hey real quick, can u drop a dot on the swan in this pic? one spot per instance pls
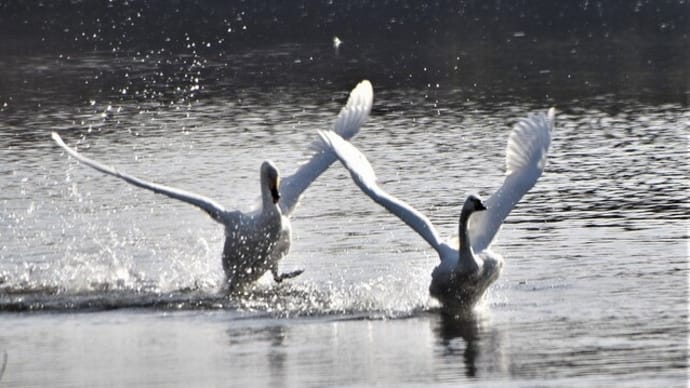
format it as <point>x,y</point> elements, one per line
<point>468,267</point>
<point>256,241</point>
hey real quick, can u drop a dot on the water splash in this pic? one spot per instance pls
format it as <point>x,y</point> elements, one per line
<point>110,288</point>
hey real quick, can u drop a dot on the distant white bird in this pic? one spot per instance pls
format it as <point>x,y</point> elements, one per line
<point>256,241</point>
<point>467,266</point>
<point>336,44</point>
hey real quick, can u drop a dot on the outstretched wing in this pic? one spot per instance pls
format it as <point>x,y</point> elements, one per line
<point>213,209</point>
<point>526,152</point>
<point>347,124</point>
<point>363,175</point>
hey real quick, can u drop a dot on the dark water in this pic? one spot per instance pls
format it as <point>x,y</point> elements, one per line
<point>102,284</point>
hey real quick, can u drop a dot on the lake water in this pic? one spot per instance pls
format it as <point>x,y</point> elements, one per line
<point>103,284</point>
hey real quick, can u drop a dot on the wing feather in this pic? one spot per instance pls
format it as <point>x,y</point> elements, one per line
<point>347,124</point>
<point>213,209</point>
<point>526,153</point>
<point>363,175</point>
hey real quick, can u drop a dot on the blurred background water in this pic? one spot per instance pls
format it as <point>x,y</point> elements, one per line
<point>103,284</point>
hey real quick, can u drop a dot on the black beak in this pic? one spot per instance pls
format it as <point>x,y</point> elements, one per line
<point>275,194</point>
<point>481,206</point>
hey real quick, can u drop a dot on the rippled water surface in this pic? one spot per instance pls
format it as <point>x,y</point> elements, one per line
<point>104,284</point>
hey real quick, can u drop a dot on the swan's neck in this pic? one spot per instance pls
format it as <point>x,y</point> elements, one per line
<point>463,235</point>
<point>267,203</point>
<point>266,197</point>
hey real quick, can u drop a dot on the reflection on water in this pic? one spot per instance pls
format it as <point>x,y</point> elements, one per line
<point>4,364</point>
<point>591,254</point>
<point>596,254</point>
<point>467,329</point>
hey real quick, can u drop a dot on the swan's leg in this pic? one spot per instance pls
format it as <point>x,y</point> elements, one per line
<point>286,275</point>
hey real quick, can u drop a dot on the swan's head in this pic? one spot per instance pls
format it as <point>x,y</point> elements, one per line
<point>270,180</point>
<point>473,203</point>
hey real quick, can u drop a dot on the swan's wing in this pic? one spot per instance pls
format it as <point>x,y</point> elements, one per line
<point>363,175</point>
<point>526,152</point>
<point>347,124</point>
<point>213,209</point>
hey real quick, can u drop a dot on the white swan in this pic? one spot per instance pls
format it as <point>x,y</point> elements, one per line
<point>467,266</point>
<point>256,241</point>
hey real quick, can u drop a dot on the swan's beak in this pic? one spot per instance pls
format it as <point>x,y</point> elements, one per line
<point>274,191</point>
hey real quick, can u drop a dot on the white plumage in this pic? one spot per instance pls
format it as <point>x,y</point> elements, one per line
<point>256,241</point>
<point>463,276</point>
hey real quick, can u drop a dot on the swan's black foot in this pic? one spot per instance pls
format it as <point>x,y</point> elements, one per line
<point>286,275</point>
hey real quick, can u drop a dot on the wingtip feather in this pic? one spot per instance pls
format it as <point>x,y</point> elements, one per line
<point>56,138</point>
<point>356,111</point>
<point>529,141</point>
